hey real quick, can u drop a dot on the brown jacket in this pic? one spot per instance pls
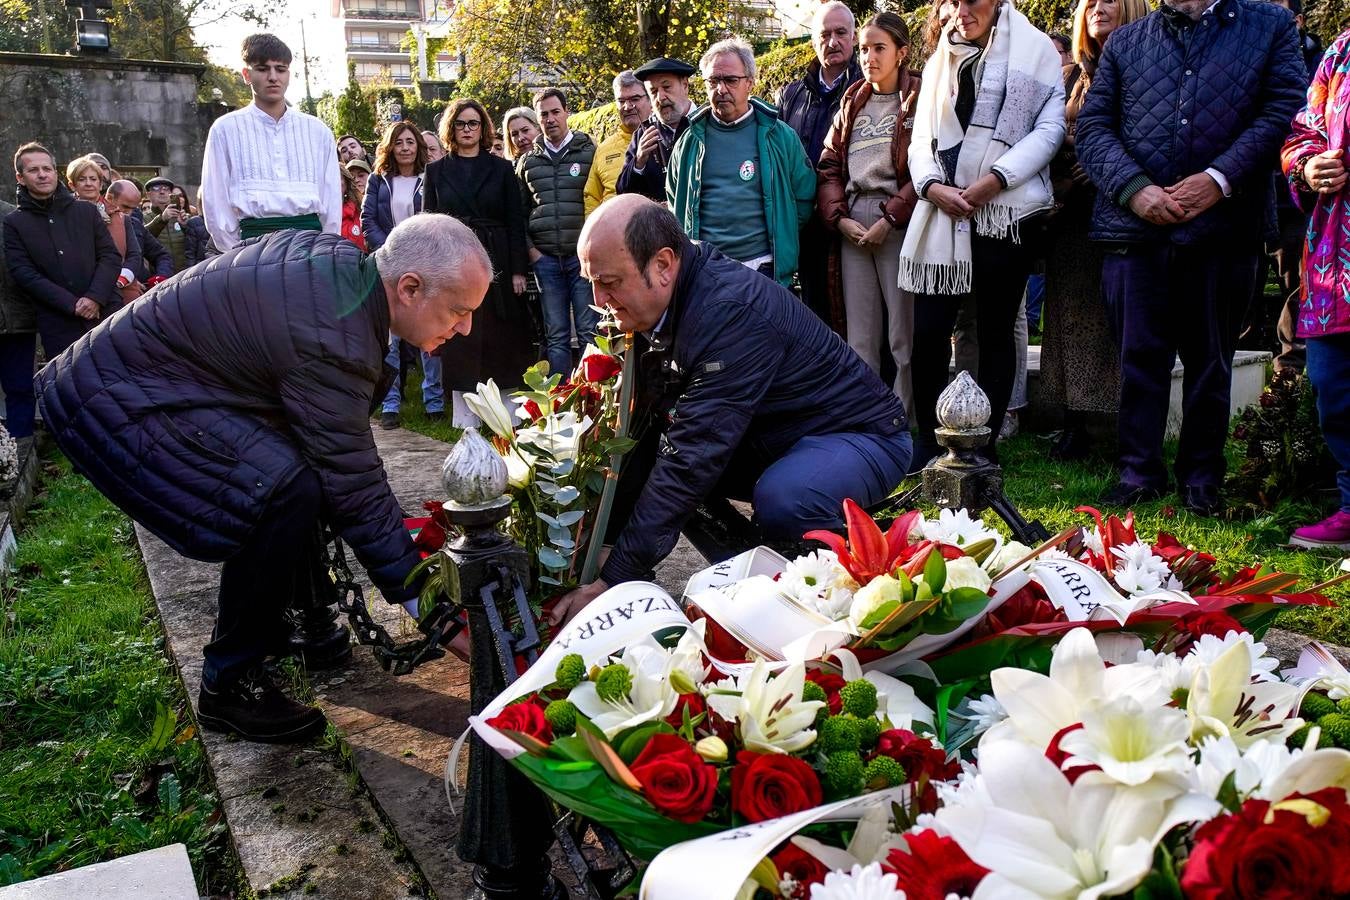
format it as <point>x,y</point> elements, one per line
<point>832,174</point>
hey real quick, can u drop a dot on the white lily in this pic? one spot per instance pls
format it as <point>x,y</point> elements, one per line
<point>1308,772</point>
<point>860,883</point>
<point>1040,706</point>
<point>1041,837</point>
<point>872,841</point>
<point>1316,666</point>
<point>1131,743</point>
<point>486,403</point>
<point>558,433</point>
<point>767,709</point>
<point>519,473</point>
<point>652,695</point>
<point>1223,700</point>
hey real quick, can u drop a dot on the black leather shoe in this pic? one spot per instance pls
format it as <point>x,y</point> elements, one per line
<point>437,416</point>
<point>1125,495</point>
<point>254,708</point>
<point>390,420</point>
<point>1071,445</point>
<point>1202,499</point>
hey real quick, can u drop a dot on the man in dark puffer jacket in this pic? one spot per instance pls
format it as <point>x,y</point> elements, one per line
<point>553,178</point>
<point>1183,122</point>
<point>227,411</point>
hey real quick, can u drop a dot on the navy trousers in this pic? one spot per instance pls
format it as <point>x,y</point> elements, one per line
<point>1329,369</point>
<point>1167,301</point>
<point>16,378</point>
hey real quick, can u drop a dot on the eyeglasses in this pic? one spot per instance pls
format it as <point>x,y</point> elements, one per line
<point>729,81</point>
<point>471,125</point>
<point>630,101</point>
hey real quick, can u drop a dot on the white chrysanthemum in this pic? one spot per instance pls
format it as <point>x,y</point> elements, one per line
<point>820,583</point>
<point>1209,648</point>
<point>1092,540</point>
<point>1139,571</point>
<point>956,527</point>
<point>862,883</point>
<point>987,712</point>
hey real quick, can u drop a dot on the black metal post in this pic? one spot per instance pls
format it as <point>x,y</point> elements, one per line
<point>506,826</point>
<point>316,636</point>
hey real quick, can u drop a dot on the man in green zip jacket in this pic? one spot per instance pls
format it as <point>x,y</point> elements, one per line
<point>738,176</point>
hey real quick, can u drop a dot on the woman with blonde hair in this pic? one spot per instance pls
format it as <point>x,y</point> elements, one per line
<point>1080,363</point>
<point>84,175</point>
<point>520,126</point>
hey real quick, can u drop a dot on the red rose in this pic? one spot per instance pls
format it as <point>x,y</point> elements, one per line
<point>1193,626</point>
<point>804,869</point>
<point>830,683</point>
<point>769,785</point>
<point>934,868</point>
<point>1273,851</point>
<point>673,777</point>
<point>600,367</point>
<point>920,759</point>
<point>527,718</point>
<point>693,702</point>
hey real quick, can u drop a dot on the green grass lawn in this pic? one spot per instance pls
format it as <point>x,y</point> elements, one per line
<point>97,754</point>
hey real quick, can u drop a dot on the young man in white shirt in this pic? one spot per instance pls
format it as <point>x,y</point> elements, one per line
<point>268,167</point>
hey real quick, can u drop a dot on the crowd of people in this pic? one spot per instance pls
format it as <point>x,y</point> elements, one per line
<point>1127,179</point>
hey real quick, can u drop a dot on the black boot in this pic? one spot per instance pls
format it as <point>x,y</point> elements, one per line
<point>254,708</point>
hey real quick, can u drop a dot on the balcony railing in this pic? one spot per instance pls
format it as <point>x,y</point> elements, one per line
<point>392,11</point>
<point>374,48</point>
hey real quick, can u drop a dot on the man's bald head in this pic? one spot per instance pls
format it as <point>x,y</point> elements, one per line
<point>630,249</point>
<point>124,195</point>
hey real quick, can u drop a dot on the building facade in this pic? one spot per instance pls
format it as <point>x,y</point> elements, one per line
<point>379,36</point>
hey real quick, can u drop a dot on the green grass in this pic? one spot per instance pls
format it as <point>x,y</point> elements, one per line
<point>97,754</point>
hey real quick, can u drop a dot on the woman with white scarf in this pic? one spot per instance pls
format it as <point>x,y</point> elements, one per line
<point>990,117</point>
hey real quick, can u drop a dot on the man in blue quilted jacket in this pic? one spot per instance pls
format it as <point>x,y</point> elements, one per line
<point>1184,119</point>
<point>227,411</point>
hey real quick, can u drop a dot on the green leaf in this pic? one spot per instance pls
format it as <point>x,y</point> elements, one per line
<point>161,733</point>
<point>1228,793</point>
<point>630,742</point>
<point>1162,882</point>
<point>170,793</point>
<point>549,579</point>
<point>878,615</point>
<point>935,571</point>
<point>617,446</point>
<point>965,603</point>
<point>552,559</point>
<point>11,872</point>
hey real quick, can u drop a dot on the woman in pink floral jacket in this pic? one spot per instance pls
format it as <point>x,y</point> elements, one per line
<point>1314,162</point>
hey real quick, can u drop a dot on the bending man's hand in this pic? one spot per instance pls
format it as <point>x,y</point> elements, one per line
<point>575,601</point>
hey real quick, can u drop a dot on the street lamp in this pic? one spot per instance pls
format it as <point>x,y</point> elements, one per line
<point>93,34</point>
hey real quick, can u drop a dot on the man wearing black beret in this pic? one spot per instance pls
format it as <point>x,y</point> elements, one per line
<point>644,165</point>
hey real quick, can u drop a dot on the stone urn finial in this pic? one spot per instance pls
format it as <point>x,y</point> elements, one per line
<point>962,406</point>
<point>474,474</point>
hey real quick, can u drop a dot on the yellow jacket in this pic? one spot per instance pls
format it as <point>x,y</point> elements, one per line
<point>605,169</point>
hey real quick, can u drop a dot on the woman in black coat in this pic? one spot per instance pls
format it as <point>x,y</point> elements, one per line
<point>482,191</point>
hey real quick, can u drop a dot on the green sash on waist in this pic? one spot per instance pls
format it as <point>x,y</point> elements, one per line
<point>251,228</point>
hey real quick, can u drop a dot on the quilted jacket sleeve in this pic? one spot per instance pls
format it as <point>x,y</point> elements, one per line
<point>370,213</point>
<point>1097,136</point>
<point>325,401</point>
<point>830,185</point>
<point>1282,86</point>
<point>732,364</point>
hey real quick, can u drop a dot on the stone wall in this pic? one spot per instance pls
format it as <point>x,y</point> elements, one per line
<point>141,114</point>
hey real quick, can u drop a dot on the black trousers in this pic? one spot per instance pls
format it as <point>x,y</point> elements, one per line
<point>813,256</point>
<point>280,560</point>
<point>1167,301</point>
<point>998,279</point>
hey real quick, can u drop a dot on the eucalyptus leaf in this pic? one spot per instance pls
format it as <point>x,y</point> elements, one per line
<point>568,519</point>
<point>552,559</point>
<point>566,495</point>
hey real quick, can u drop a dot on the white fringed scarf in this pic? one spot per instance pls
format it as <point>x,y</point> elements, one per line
<point>1018,74</point>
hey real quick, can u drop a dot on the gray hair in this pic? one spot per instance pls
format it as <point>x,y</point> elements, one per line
<point>626,79</point>
<point>730,45</point>
<point>825,9</point>
<point>437,247</point>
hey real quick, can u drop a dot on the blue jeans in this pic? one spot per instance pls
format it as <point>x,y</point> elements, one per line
<point>16,378</point>
<point>564,296</point>
<point>805,488</point>
<point>1329,369</point>
<point>433,395</point>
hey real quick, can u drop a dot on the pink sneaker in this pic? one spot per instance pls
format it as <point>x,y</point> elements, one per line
<point>1333,531</point>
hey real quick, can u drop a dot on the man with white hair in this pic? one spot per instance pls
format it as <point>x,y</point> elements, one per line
<point>634,109</point>
<point>228,413</point>
<point>808,106</point>
<point>738,177</point>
